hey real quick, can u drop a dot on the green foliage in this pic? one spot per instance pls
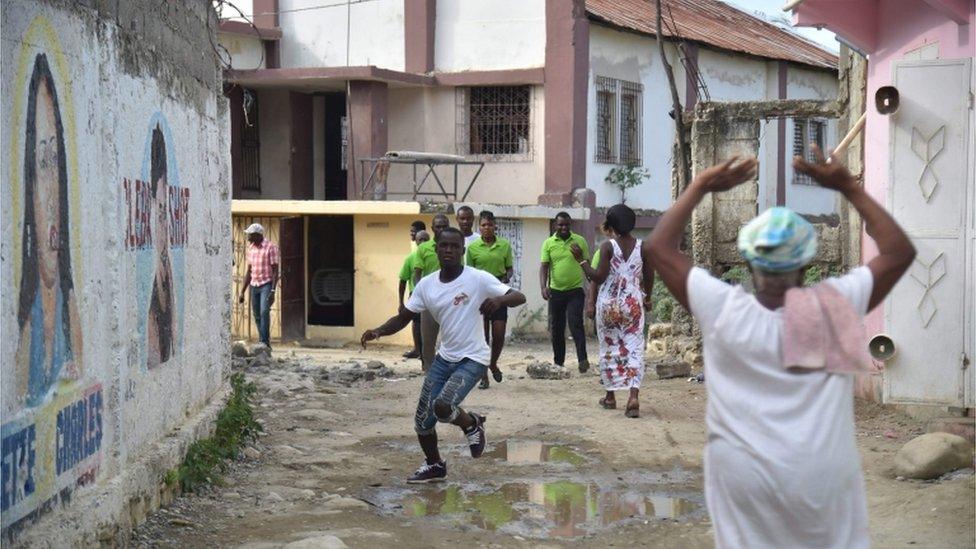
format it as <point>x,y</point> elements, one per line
<point>526,318</point>
<point>663,302</point>
<point>236,426</point>
<point>626,177</point>
<point>816,273</point>
<point>737,275</point>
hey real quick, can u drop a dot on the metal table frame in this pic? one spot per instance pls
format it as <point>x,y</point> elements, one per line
<point>367,183</point>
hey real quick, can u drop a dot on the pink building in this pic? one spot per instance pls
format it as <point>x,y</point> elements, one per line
<point>919,163</point>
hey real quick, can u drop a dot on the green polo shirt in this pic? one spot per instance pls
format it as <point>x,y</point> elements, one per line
<point>565,272</point>
<point>406,271</point>
<point>426,258</point>
<point>494,259</point>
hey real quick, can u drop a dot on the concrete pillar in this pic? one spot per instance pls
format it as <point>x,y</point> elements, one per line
<point>567,73</point>
<point>367,127</point>
<point>419,17</point>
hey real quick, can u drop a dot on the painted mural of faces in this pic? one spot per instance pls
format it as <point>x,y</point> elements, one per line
<point>161,322</point>
<point>50,344</point>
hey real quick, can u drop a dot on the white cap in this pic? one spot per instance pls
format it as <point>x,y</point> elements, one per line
<point>254,228</point>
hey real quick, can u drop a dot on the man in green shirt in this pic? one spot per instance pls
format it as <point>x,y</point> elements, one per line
<point>425,263</point>
<point>561,279</point>
<point>492,254</point>
<point>406,284</point>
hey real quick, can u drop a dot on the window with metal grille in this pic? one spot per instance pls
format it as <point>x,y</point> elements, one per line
<point>606,110</point>
<point>619,107</point>
<point>494,121</point>
<point>250,144</point>
<point>805,133</point>
<point>630,122</point>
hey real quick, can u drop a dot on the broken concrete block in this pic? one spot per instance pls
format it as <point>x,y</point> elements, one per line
<point>545,370</point>
<point>670,368</point>
<point>933,454</point>
<point>238,349</point>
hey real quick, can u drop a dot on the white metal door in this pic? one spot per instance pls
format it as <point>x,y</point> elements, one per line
<point>930,193</point>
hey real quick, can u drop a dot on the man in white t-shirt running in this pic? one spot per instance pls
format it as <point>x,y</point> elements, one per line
<point>457,298</point>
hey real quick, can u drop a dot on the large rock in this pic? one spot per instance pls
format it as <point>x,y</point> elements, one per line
<point>545,370</point>
<point>238,349</point>
<point>932,455</point>
<point>260,349</point>
<point>668,368</point>
<point>317,542</point>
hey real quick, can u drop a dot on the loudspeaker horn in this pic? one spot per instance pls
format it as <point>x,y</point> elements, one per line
<point>886,99</point>
<point>882,347</point>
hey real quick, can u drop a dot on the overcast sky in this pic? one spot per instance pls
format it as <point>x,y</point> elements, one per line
<point>773,11</point>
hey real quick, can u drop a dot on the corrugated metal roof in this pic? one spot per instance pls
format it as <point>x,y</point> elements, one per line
<point>714,23</point>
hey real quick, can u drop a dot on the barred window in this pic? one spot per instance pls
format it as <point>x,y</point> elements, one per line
<point>805,133</point>
<point>494,121</point>
<point>606,109</point>
<point>618,133</point>
<point>250,144</point>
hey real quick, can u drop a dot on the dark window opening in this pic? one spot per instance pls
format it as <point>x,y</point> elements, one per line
<point>498,120</point>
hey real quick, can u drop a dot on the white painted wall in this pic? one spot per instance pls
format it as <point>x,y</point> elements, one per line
<point>314,34</point>
<point>501,34</point>
<point>125,404</point>
<point>425,119</point>
<point>733,77</point>
<point>635,58</point>
<point>804,83</point>
<point>246,52</point>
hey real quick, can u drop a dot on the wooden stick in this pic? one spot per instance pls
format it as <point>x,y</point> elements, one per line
<point>856,129</point>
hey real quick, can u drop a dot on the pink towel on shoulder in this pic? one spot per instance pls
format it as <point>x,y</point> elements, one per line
<point>821,330</point>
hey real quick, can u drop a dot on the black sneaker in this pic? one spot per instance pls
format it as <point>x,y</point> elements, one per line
<point>429,473</point>
<point>584,366</point>
<point>476,436</point>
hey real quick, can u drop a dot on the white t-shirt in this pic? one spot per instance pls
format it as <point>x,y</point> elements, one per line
<point>456,307</point>
<point>781,462</point>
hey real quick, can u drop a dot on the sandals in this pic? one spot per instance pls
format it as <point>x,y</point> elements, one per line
<point>608,404</point>
<point>632,411</point>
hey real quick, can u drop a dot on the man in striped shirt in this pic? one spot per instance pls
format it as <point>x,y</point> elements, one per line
<point>261,277</point>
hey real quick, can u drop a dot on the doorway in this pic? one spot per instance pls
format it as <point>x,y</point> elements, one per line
<point>330,270</point>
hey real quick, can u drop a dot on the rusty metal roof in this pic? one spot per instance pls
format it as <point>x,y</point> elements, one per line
<point>714,23</point>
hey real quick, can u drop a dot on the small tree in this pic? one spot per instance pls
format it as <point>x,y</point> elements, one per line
<point>626,177</point>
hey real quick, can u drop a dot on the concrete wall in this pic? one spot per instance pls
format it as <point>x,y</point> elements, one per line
<point>501,34</point>
<point>318,37</point>
<point>425,119</point>
<point>104,353</point>
<point>634,58</point>
<point>274,127</point>
<point>246,52</point>
<point>728,77</point>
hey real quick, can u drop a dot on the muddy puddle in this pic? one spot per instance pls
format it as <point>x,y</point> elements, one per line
<point>564,507</point>
<point>525,452</point>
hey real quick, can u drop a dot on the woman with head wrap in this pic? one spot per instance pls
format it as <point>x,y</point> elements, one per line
<point>623,277</point>
<point>781,463</point>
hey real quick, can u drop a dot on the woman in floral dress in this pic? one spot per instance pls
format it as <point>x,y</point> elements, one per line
<point>624,278</point>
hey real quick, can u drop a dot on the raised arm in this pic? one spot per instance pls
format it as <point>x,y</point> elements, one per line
<point>602,270</point>
<point>664,245</point>
<point>895,250</point>
<point>390,327</point>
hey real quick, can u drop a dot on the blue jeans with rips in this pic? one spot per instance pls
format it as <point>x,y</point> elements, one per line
<point>447,383</point>
<point>261,309</point>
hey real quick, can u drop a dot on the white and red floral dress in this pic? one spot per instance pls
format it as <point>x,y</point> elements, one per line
<point>620,321</point>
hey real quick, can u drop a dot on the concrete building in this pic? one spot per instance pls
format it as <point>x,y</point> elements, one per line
<point>540,99</point>
<point>919,161</point>
<point>116,200</point>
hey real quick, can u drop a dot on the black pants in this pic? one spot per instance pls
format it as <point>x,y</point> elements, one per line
<point>562,305</point>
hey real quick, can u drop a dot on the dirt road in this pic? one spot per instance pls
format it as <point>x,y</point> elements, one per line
<point>560,471</point>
